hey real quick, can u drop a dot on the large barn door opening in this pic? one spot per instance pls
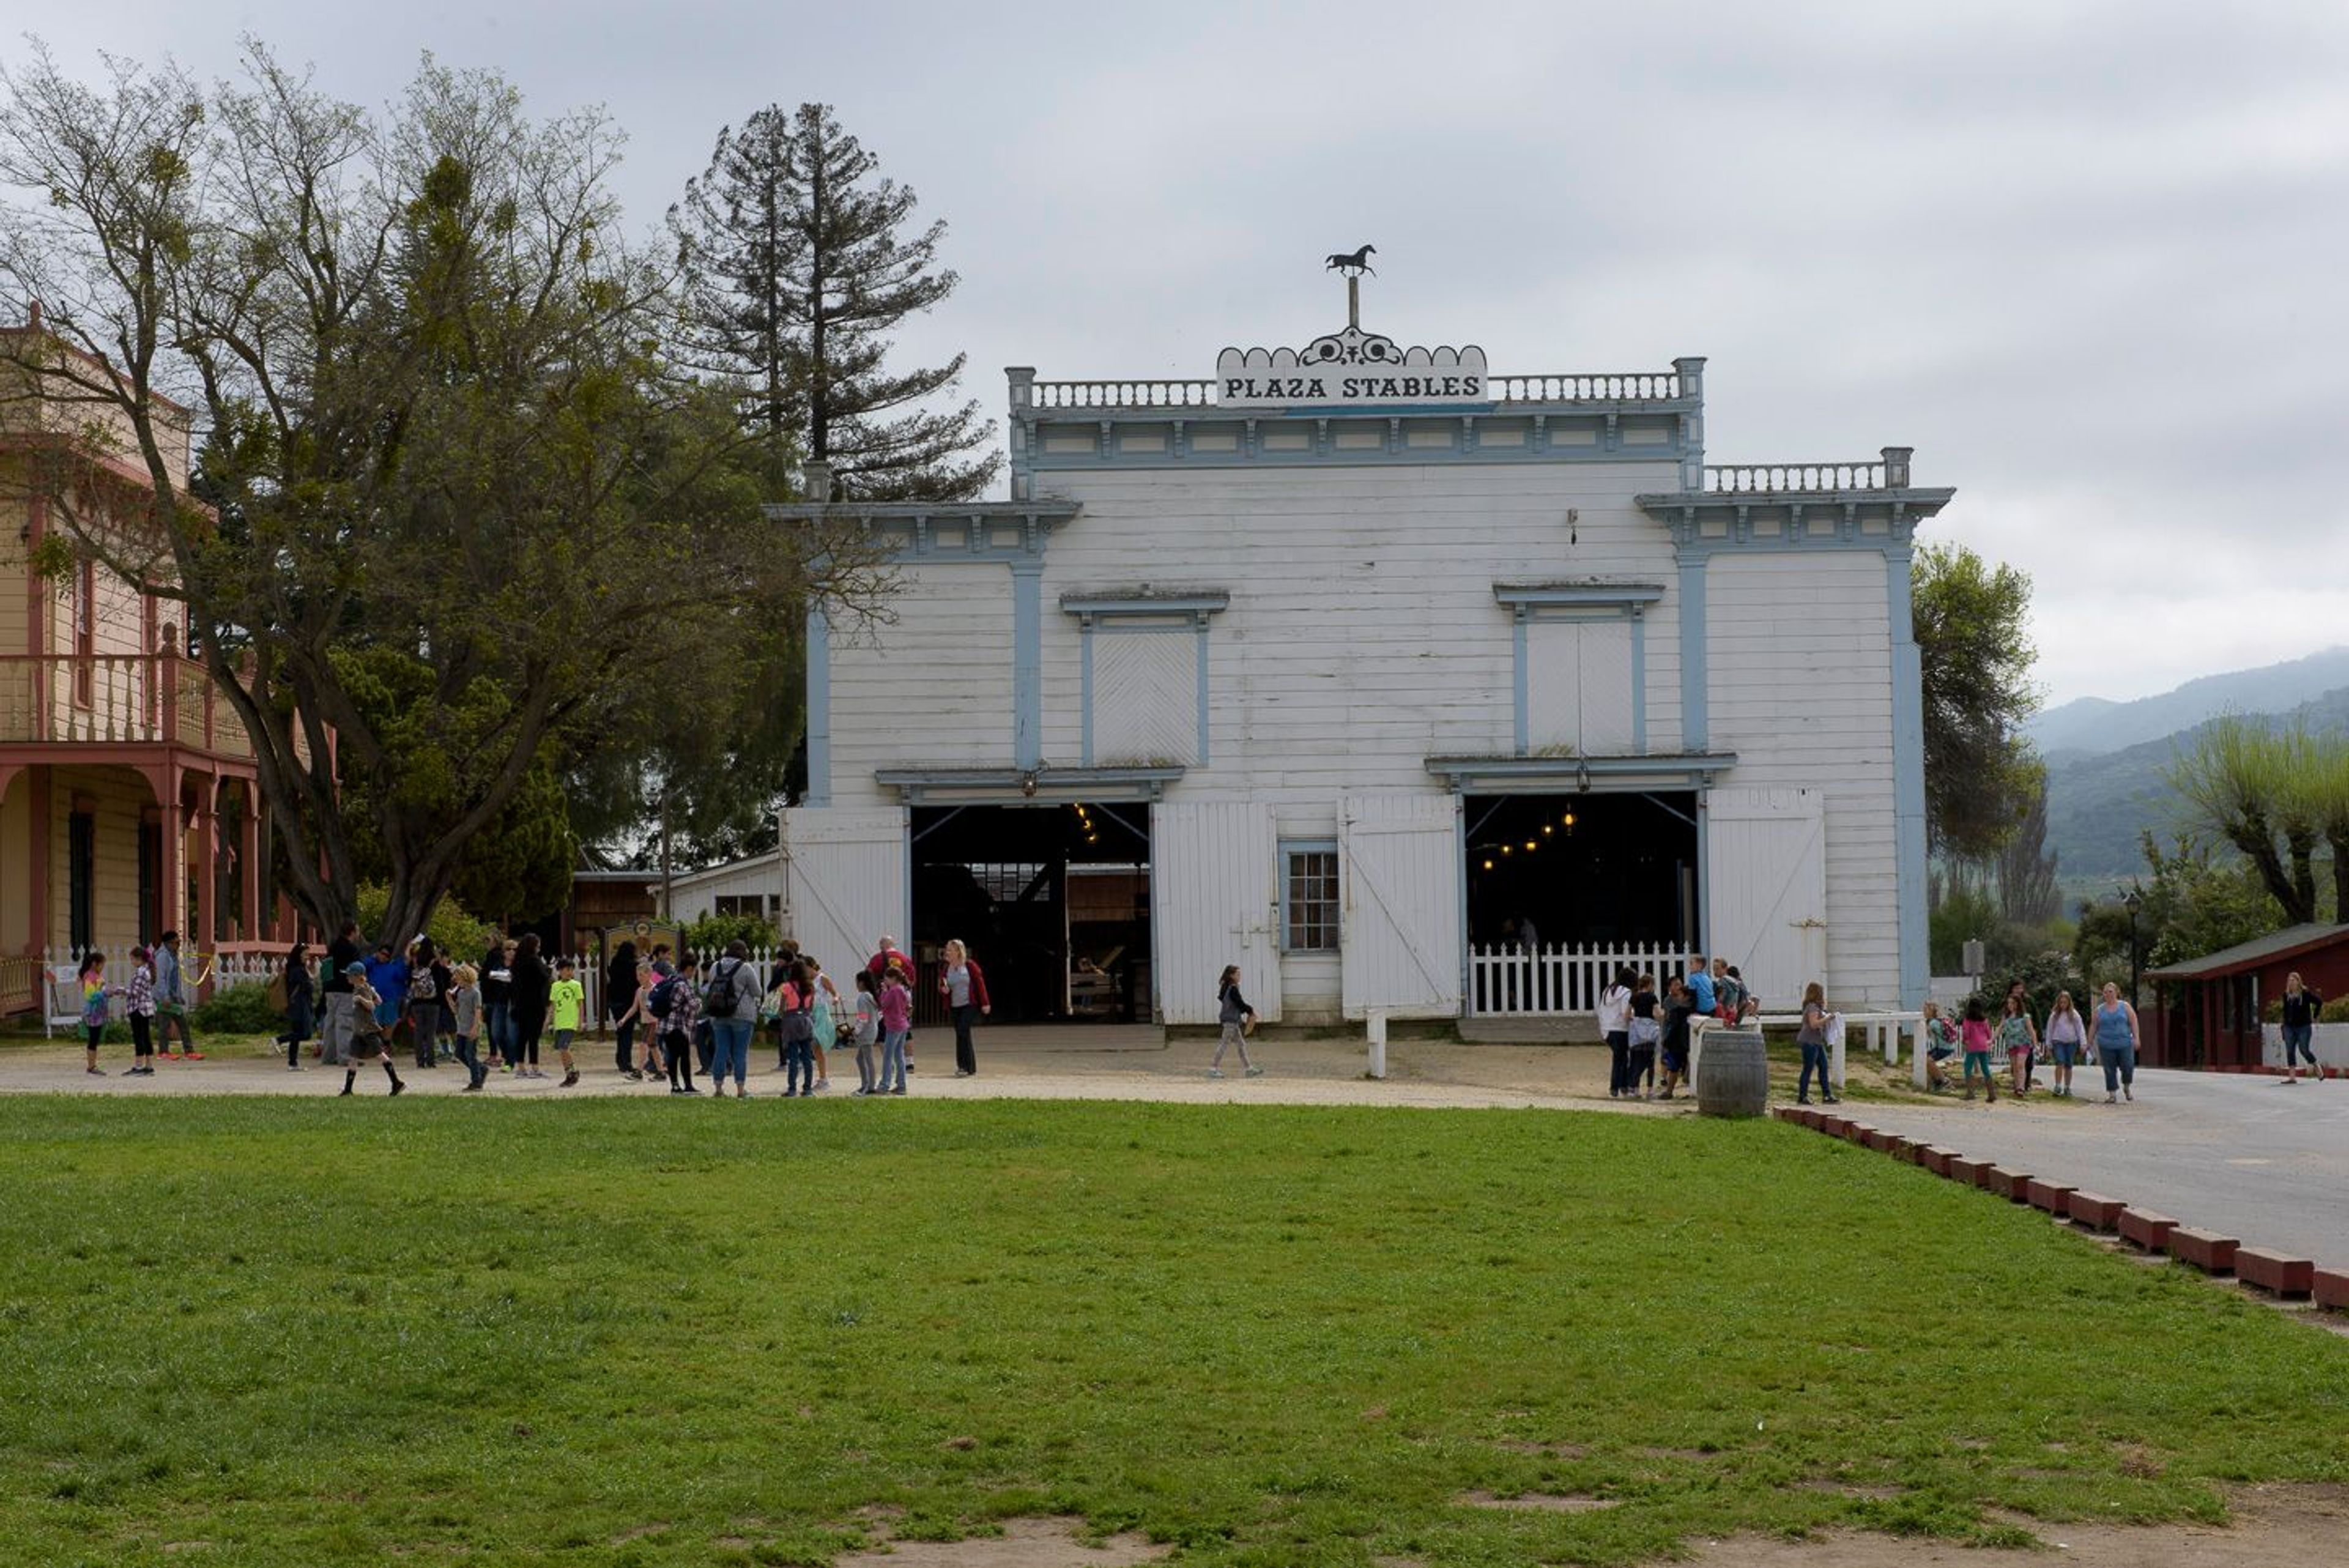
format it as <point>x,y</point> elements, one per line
<point>1399,926</point>
<point>1766,889</point>
<point>1215,899</point>
<point>843,881</point>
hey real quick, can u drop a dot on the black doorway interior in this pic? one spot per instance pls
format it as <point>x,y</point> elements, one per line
<point>1581,868</point>
<point>1054,901</point>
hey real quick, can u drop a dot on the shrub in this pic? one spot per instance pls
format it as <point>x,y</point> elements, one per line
<point>453,931</point>
<point>239,1010</point>
<point>710,933</point>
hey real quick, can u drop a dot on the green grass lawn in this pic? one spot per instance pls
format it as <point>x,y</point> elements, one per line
<point>651,1332</point>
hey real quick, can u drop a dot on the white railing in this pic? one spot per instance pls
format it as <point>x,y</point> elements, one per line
<point>1513,982</point>
<point>1144,394</point>
<point>1882,1032</point>
<point>1606,387</point>
<point>1887,470</point>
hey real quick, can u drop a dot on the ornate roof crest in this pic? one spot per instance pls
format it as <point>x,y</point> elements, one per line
<point>1351,368</point>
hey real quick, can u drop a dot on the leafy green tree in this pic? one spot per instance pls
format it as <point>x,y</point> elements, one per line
<point>1976,653</point>
<point>798,271</point>
<point>2260,789</point>
<point>458,519</point>
<point>2198,901</point>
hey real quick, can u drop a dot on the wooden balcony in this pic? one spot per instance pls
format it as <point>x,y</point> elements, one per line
<point>117,700</point>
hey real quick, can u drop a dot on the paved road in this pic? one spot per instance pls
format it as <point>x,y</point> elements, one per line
<point>2225,1152</point>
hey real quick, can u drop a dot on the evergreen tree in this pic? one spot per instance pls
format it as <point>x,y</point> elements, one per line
<point>796,271</point>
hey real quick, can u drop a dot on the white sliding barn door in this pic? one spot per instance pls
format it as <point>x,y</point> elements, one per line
<point>1766,889</point>
<point>844,882</point>
<point>1399,920</point>
<point>1215,899</point>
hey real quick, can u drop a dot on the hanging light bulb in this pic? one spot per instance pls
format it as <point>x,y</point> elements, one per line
<point>1531,846</point>
<point>1547,830</point>
<point>1488,865</point>
<point>1505,849</point>
<point>1569,819</point>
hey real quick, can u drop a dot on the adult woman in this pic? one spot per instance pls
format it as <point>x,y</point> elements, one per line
<point>2116,1040</point>
<point>2301,1006</point>
<point>620,1006</point>
<point>1639,1078</point>
<point>1813,1038</point>
<point>2067,1032</point>
<point>2017,1036</point>
<point>731,999</point>
<point>428,980</point>
<point>964,987</point>
<point>529,988</point>
<point>301,1005</point>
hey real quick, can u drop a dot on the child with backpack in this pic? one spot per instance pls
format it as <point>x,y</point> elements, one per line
<point>864,1028</point>
<point>675,1001</point>
<point>796,1004</point>
<point>826,1018</point>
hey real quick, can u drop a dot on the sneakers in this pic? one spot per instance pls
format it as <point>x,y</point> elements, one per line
<point>470,1089</point>
<point>1215,1072</point>
<point>190,1056</point>
<point>94,1072</point>
<point>570,1077</point>
<point>398,1087</point>
<point>296,1067</point>
<point>634,1076</point>
<point>898,1090</point>
<point>1256,1071</point>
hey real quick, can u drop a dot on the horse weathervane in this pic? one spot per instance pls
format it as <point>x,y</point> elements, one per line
<point>1353,265</point>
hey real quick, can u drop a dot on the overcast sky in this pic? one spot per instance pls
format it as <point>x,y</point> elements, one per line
<point>2088,259</point>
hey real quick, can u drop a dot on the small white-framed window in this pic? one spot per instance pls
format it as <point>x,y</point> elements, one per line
<point>1309,896</point>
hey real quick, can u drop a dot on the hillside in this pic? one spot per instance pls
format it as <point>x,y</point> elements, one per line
<point>2098,804</point>
<point>2097,724</point>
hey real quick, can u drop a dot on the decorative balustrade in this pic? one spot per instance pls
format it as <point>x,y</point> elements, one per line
<point>68,699</point>
<point>1628,387</point>
<point>1149,394</point>
<point>1888,471</point>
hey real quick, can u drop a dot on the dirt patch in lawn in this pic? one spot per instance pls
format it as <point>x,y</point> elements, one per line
<point>2272,1524</point>
<point>1024,1543</point>
<point>1540,1502</point>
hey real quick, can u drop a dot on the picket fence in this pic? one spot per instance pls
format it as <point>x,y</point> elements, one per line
<point>216,972</point>
<point>1514,982</point>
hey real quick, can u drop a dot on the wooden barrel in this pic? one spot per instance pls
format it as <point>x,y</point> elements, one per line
<point>1733,1077</point>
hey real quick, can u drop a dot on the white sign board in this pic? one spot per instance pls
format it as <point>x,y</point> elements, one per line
<point>1350,370</point>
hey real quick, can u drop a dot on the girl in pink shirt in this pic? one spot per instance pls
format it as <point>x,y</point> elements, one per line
<point>1975,1034</point>
<point>896,1021</point>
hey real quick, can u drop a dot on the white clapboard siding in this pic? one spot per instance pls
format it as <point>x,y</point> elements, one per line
<point>1145,697</point>
<point>1213,901</point>
<point>1766,889</point>
<point>1553,684</point>
<point>1800,683</point>
<point>1398,919</point>
<point>843,879</point>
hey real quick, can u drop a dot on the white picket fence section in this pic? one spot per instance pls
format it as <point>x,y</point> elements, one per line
<point>216,972</point>
<point>1513,982</point>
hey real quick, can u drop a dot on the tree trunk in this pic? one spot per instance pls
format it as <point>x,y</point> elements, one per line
<point>2340,843</point>
<point>2300,842</point>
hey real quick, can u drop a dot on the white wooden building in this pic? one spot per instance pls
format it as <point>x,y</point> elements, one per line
<point>1353,663</point>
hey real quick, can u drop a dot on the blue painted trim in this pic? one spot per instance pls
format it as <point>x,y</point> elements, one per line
<point>1293,846</point>
<point>1693,652</point>
<point>1250,454</point>
<point>1085,692</point>
<point>1025,786</point>
<point>819,708</point>
<point>1703,872</point>
<point>1588,596</point>
<point>1638,682</point>
<point>1563,776</point>
<point>1026,663</point>
<point>1200,660</point>
<point>1460,885</point>
<point>1197,605</point>
<point>1525,728</point>
<point>1909,839</point>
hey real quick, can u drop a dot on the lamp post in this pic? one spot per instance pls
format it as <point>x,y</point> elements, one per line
<point>2133,903</point>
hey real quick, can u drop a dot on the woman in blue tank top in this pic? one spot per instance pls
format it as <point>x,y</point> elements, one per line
<point>2116,1043</point>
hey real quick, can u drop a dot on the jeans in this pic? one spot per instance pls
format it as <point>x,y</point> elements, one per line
<point>1979,1062</point>
<point>167,1022</point>
<point>1642,1068</point>
<point>798,1067</point>
<point>965,1053</point>
<point>471,1059</point>
<point>1234,1037</point>
<point>501,1029</point>
<point>427,1021</point>
<point>729,1049</point>
<point>1618,1061</point>
<point>893,1062</point>
<point>1814,1058</point>
<point>2120,1066</point>
<point>2296,1044</point>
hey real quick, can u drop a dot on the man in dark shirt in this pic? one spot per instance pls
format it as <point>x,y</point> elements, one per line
<point>335,1031</point>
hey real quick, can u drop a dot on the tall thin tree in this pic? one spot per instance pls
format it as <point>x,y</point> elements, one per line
<point>798,267</point>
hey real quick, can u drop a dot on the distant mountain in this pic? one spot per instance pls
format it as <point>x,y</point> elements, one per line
<point>2098,803</point>
<point>2097,724</point>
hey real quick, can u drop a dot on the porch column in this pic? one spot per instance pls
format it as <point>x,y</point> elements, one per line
<point>254,927</point>
<point>207,862</point>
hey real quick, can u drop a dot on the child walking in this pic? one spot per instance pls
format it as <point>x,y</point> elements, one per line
<point>1813,1038</point>
<point>1976,1035</point>
<point>1233,1011</point>
<point>864,1028</point>
<point>465,1009</point>
<point>565,1002</point>
<point>680,995</point>
<point>142,1006</point>
<point>369,1040</point>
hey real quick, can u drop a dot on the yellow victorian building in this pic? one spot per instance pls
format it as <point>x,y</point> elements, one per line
<point>127,802</point>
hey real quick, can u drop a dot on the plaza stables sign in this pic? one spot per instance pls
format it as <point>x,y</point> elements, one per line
<point>1352,369</point>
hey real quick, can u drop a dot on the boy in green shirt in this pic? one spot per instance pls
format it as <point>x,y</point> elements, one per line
<point>565,1000</point>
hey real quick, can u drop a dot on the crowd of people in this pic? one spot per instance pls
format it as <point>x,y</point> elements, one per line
<point>670,1012</point>
<point>2108,1037</point>
<point>1642,1026</point>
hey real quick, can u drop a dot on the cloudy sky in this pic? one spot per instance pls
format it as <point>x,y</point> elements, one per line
<point>2087,259</point>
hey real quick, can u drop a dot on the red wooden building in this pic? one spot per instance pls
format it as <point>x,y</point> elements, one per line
<point>2211,1008</point>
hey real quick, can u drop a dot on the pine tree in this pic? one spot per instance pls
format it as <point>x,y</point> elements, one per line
<point>795,272</point>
